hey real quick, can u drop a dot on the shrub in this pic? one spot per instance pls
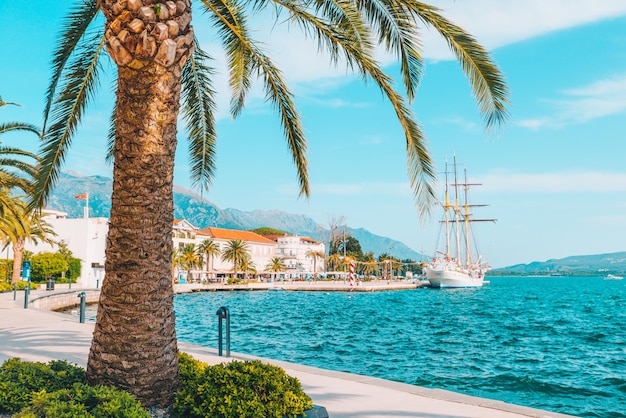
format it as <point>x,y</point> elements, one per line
<point>238,389</point>
<point>19,379</point>
<point>84,401</point>
<point>5,287</point>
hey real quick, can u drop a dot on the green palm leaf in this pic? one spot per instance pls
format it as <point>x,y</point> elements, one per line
<point>79,82</point>
<point>76,24</point>
<point>199,112</point>
<point>246,58</point>
<point>487,82</point>
<point>18,126</point>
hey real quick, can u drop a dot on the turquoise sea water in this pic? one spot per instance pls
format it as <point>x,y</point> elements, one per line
<point>557,344</point>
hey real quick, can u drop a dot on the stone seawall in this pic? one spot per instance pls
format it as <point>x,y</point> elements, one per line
<point>61,299</point>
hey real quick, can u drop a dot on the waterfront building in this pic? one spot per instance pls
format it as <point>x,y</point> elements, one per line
<point>86,239</point>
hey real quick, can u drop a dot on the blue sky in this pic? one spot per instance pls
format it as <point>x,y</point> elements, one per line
<point>554,177</point>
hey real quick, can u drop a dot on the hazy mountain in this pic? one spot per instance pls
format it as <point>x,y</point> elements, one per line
<point>202,213</point>
<point>580,265</point>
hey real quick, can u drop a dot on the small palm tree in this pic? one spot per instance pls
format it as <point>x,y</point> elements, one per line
<point>370,268</point>
<point>189,259</point>
<point>334,261</point>
<point>210,250</point>
<point>28,225</point>
<point>175,264</point>
<point>235,252</point>
<point>315,255</point>
<point>276,265</point>
<point>247,266</point>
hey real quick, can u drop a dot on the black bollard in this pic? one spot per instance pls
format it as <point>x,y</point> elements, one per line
<point>222,313</point>
<point>82,296</point>
<point>26,294</point>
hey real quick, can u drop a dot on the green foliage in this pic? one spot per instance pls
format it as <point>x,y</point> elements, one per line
<point>84,401</point>
<point>238,389</point>
<point>4,274</point>
<point>46,265</point>
<point>18,380</point>
<point>21,285</point>
<point>268,231</point>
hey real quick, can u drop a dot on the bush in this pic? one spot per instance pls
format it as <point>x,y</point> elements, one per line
<point>19,379</point>
<point>238,389</point>
<point>84,401</point>
<point>21,285</point>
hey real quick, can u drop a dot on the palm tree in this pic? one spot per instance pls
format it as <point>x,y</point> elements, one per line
<point>152,45</point>
<point>25,225</point>
<point>236,252</point>
<point>175,264</point>
<point>247,266</point>
<point>334,261</point>
<point>370,268</point>
<point>275,265</point>
<point>209,249</point>
<point>189,258</point>
<point>315,255</point>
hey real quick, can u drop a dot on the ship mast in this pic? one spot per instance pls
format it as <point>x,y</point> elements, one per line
<point>456,214</point>
<point>468,256</point>
<point>447,214</point>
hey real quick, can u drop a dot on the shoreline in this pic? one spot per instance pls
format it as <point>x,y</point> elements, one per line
<point>36,334</point>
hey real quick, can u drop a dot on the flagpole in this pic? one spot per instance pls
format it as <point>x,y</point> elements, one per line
<point>86,209</point>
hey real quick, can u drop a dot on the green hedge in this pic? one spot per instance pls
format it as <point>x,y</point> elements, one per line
<point>21,285</point>
<point>236,389</point>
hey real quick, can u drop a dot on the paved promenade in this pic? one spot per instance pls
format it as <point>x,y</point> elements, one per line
<point>37,334</point>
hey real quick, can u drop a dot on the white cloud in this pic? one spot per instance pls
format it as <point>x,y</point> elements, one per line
<point>599,99</point>
<point>496,23</point>
<point>560,182</point>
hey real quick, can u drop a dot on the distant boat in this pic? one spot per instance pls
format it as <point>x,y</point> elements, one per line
<point>613,277</point>
<point>455,266</point>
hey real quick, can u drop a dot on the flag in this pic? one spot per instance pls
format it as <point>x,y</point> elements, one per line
<point>81,196</point>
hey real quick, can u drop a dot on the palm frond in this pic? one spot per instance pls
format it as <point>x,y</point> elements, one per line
<point>486,80</point>
<point>246,58</point>
<point>397,31</point>
<point>76,23</point>
<point>419,165</point>
<point>18,126</point>
<point>230,20</point>
<point>111,135</point>
<point>79,83</point>
<point>199,112</point>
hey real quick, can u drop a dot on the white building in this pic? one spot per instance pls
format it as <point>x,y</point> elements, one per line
<point>86,239</point>
<point>299,254</point>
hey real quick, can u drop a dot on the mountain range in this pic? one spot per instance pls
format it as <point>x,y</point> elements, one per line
<point>581,265</point>
<point>202,213</point>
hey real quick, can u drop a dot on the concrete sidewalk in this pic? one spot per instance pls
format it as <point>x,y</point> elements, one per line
<point>41,335</point>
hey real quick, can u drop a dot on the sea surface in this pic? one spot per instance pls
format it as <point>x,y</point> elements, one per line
<point>554,343</point>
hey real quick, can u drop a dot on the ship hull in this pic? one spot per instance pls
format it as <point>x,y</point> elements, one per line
<point>452,279</point>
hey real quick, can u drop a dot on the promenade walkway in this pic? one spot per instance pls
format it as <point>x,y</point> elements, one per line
<point>40,335</point>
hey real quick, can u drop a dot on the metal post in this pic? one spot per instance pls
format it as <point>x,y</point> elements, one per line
<point>222,313</point>
<point>82,296</point>
<point>26,293</point>
<point>14,291</point>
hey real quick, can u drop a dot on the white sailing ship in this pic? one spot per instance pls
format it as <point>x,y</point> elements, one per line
<point>455,266</point>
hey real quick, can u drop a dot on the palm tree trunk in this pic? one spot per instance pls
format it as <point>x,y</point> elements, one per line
<point>18,252</point>
<point>134,342</point>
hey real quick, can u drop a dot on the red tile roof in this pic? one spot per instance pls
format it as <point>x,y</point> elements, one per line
<point>230,234</point>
